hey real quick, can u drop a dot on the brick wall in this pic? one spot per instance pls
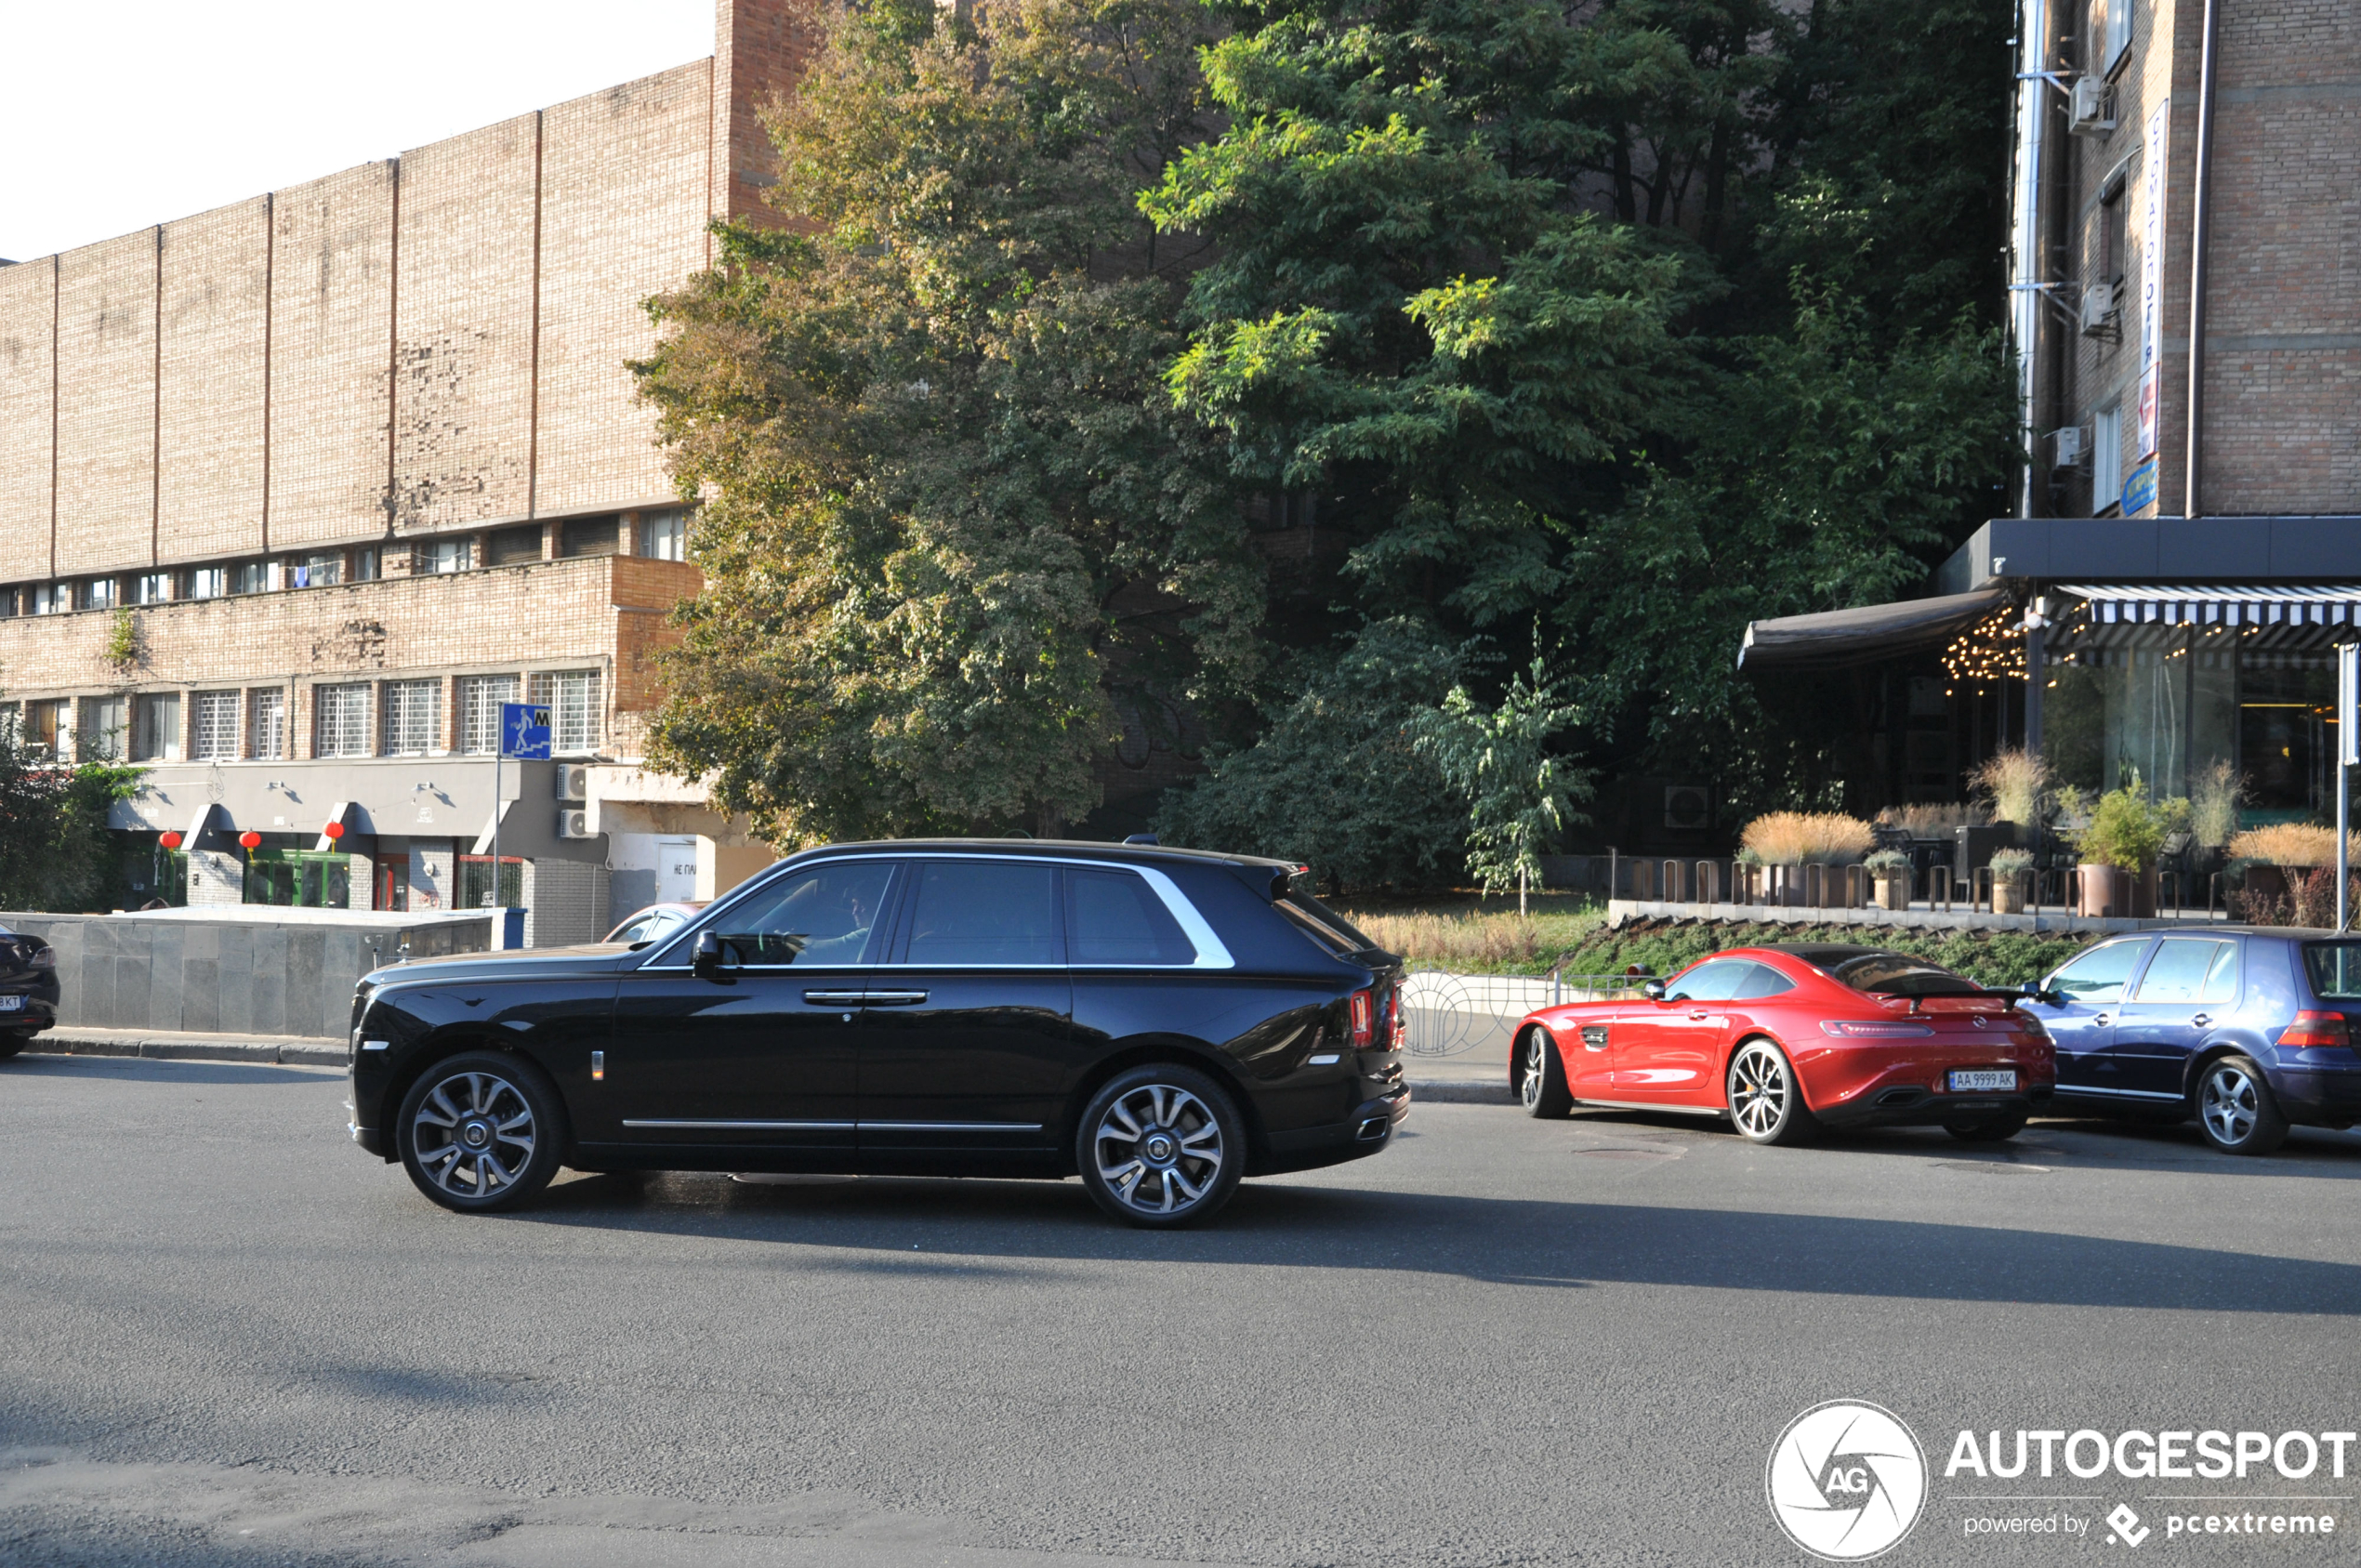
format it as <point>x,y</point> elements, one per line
<point>106,404</point>
<point>216,299</point>
<point>2283,360</point>
<point>331,311</point>
<point>760,49</point>
<point>27,293</point>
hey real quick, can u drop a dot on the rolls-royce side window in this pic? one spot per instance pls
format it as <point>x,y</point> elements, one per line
<point>1114,917</point>
<point>984,912</point>
<point>826,915</point>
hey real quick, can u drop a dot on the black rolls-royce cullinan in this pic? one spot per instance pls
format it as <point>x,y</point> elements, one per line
<point>1159,1022</point>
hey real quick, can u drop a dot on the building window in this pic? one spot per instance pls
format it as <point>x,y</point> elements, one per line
<point>342,727</point>
<point>412,709</point>
<point>48,727</point>
<point>52,598</point>
<point>100,593</point>
<point>7,601</point>
<point>216,727</point>
<point>156,736</point>
<point>433,557</point>
<point>480,700</point>
<point>365,568</point>
<point>266,722</point>
<point>513,547</point>
<point>2106,459</point>
<point>152,587</point>
<point>321,569</point>
<point>2110,32</point>
<point>104,730</point>
<point>590,535</point>
<point>665,535</point>
<point>572,698</point>
<point>209,582</point>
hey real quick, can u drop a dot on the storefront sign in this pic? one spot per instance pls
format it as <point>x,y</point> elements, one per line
<point>2140,489</point>
<point>2151,284</point>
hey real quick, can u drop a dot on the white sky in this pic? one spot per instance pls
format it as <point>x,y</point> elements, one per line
<point>118,116</point>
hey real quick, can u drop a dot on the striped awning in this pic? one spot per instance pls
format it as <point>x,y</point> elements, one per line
<point>2271,617</point>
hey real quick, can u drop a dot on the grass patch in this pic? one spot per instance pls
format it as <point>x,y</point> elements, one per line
<point>1471,934</point>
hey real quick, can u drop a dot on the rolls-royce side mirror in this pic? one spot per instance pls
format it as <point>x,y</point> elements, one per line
<point>1653,990</point>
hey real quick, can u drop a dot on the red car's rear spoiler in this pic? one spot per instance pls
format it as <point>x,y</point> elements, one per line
<point>1992,1002</point>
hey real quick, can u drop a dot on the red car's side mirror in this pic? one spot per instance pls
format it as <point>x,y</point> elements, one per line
<point>1653,990</point>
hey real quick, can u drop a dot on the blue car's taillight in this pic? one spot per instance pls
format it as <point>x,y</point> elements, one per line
<point>2316,1031</point>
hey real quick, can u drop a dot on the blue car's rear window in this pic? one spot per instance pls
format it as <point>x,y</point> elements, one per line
<point>2334,968</point>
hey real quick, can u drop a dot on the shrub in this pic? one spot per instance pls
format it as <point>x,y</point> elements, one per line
<point>2311,899</point>
<point>1930,821</point>
<point>2007,863</point>
<point>2126,830</point>
<point>1803,837</point>
<point>1994,959</point>
<point>1888,861</point>
<point>2015,780</point>
<point>2292,844</point>
<point>2213,804</point>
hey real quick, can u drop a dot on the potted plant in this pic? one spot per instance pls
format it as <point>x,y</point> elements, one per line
<point>2011,869</point>
<point>1890,874</point>
<point>2119,851</point>
<point>1787,841</point>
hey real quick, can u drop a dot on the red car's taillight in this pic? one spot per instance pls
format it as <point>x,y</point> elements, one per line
<point>1874,1029</point>
<point>1362,1005</point>
<point>2316,1031</point>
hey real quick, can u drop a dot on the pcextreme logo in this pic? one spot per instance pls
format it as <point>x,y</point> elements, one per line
<point>1846,1479</point>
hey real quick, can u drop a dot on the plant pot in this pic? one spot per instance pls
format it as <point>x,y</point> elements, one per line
<point>2008,894</point>
<point>1893,890</point>
<point>2103,895</point>
<point>1791,887</point>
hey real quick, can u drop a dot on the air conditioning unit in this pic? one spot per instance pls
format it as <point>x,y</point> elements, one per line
<point>573,782</point>
<point>1687,807</point>
<point>2091,106</point>
<point>2098,308</point>
<point>2071,449</point>
<point>573,824</point>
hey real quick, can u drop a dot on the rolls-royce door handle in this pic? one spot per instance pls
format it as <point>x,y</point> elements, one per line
<point>894,998</point>
<point>832,999</point>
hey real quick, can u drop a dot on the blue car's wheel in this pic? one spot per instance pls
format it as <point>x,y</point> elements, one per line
<point>2236,1109</point>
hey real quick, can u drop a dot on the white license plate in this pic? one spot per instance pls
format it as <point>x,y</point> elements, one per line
<point>11,1004</point>
<point>2004,1079</point>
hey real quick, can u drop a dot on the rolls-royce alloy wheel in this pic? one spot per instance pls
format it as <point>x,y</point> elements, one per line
<point>1161,1145</point>
<point>1766,1106</point>
<point>481,1131</point>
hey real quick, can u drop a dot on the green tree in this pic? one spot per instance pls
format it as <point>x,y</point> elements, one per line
<point>1519,796</point>
<point>954,525</point>
<point>56,852</point>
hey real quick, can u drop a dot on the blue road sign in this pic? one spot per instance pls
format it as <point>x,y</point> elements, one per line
<point>524,732</point>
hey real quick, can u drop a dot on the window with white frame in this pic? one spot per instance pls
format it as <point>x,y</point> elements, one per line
<point>217,725</point>
<point>664,536</point>
<point>2106,458</point>
<point>266,722</point>
<point>155,734</point>
<point>435,556</point>
<point>52,598</point>
<point>2111,30</point>
<point>413,708</point>
<point>104,731</point>
<point>341,726</point>
<point>480,700</point>
<point>321,569</point>
<point>98,593</point>
<point>152,587</point>
<point>209,582</point>
<point>573,697</point>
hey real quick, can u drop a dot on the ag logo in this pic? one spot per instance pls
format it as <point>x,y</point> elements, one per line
<point>1846,1481</point>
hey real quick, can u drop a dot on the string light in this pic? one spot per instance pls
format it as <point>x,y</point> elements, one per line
<point>1989,651</point>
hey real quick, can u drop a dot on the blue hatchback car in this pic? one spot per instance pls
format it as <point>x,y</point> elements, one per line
<point>2249,1029</point>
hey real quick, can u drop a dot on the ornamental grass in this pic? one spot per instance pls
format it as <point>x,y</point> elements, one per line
<point>2301,844</point>
<point>1808,837</point>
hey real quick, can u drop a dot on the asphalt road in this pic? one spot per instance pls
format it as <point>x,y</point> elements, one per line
<point>227,1338</point>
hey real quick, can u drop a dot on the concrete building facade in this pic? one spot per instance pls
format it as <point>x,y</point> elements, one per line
<point>294,492</point>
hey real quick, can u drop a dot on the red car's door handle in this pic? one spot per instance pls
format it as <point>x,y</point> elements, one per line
<point>1699,1014</point>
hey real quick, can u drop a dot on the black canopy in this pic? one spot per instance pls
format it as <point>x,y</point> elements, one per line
<point>1875,631</point>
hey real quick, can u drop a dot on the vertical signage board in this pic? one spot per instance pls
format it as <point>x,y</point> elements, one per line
<point>2152,275</point>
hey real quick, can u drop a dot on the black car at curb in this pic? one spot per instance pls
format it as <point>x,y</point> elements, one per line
<point>29,990</point>
<point>1159,1022</point>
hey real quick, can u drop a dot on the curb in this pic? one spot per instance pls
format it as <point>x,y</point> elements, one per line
<point>289,1052</point>
<point>1459,1091</point>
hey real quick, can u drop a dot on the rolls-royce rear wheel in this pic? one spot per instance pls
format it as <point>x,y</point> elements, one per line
<point>1161,1145</point>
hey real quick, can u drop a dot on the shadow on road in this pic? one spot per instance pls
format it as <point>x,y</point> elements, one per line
<point>991,1226</point>
<point>159,1070</point>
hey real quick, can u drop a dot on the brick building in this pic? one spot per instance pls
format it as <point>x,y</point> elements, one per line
<point>294,492</point>
<point>2186,306</point>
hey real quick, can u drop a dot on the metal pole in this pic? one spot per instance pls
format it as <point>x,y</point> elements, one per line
<point>2348,742</point>
<point>500,937</point>
<point>2200,213</point>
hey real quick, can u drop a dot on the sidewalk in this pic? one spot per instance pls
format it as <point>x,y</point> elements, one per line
<point>292,1051</point>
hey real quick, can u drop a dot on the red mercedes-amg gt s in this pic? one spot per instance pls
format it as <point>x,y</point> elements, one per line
<point>1789,1038</point>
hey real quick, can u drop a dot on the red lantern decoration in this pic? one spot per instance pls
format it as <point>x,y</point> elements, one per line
<point>334,830</point>
<point>170,840</point>
<point>250,839</point>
